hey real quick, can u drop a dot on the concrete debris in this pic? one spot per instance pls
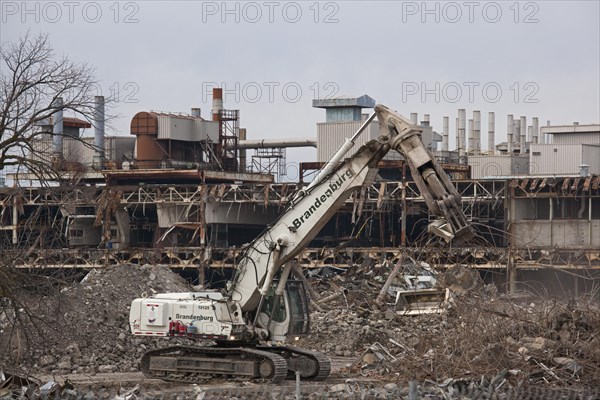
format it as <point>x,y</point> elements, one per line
<point>487,345</point>
<point>84,328</point>
<point>543,342</point>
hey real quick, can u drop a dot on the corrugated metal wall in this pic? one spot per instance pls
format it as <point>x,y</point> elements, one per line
<point>555,159</point>
<point>81,151</point>
<point>497,165</point>
<point>576,138</point>
<point>174,128</point>
<point>591,157</point>
<point>187,129</point>
<point>206,129</point>
<point>331,135</point>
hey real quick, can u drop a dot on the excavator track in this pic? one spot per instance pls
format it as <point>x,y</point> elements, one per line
<point>323,362</point>
<point>193,364</point>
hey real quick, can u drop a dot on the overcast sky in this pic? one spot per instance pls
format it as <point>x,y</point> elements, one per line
<point>539,58</point>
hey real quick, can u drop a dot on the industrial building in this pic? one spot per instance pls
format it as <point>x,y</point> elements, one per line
<point>181,190</point>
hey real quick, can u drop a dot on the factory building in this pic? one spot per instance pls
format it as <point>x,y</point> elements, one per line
<point>179,190</point>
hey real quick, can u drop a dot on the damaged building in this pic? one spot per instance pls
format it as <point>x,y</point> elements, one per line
<point>185,191</point>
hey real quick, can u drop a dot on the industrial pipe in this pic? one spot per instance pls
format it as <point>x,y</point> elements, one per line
<point>491,131</point>
<point>275,143</point>
<point>445,133</point>
<point>98,130</point>
<point>57,128</point>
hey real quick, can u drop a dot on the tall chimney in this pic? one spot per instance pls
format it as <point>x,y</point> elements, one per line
<point>491,131</point>
<point>517,133</point>
<point>462,121</point>
<point>530,134</point>
<point>445,133</point>
<point>98,131</point>
<point>510,131</point>
<point>456,125</point>
<point>477,130</point>
<point>414,118</point>
<point>523,132</point>
<point>196,112</point>
<point>217,103</point>
<point>57,129</point>
<point>426,120</point>
<point>471,149</point>
<point>536,130</point>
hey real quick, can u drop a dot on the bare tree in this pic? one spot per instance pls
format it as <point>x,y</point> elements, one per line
<point>34,84</point>
<point>32,80</point>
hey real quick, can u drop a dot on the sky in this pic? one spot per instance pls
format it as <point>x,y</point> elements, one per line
<point>272,58</point>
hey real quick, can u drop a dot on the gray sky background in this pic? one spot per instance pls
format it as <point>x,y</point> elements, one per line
<point>163,55</point>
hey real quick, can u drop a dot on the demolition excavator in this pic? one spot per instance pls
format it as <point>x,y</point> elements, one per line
<point>262,305</point>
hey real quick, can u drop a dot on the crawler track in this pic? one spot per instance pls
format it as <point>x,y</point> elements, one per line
<point>193,364</point>
<point>320,360</point>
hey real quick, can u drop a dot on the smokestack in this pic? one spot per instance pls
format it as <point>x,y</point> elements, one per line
<point>471,149</point>
<point>536,130</point>
<point>530,134</point>
<point>491,131</point>
<point>98,131</point>
<point>477,130</point>
<point>510,131</point>
<point>462,120</point>
<point>57,129</point>
<point>445,133</point>
<point>196,112</point>
<point>414,118</point>
<point>426,120</point>
<point>523,132</point>
<point>217,104</point>
<point>457,129</point>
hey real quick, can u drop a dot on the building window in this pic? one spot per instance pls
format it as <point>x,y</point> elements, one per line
<point>76,233</point>
<point>537,153</point>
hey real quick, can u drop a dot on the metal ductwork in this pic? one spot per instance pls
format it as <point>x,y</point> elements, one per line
<point>535,124</point>
<point>414,117</point>
<point>276,143</point>
<point>471,137</point>
<point>445,133</point>
<point>462,126</point>
<point>57,128</point>
<point>477,131</point>
<point>99,131</point>
<point>510,131</point>
<point>491,131</point>
<point>523,133</point>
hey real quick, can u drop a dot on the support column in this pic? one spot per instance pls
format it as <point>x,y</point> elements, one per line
<point>15,221</point>
<point>403,217</point>
<point>512,278</point>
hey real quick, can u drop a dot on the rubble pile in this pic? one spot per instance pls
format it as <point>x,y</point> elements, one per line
<point>84,328</point>
<point>518,340</point>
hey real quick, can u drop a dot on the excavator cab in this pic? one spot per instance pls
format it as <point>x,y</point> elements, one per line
<point>288,315</point>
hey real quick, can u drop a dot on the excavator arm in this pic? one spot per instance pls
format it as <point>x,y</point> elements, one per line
<point>306,215</point>
<point>441,196</point>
